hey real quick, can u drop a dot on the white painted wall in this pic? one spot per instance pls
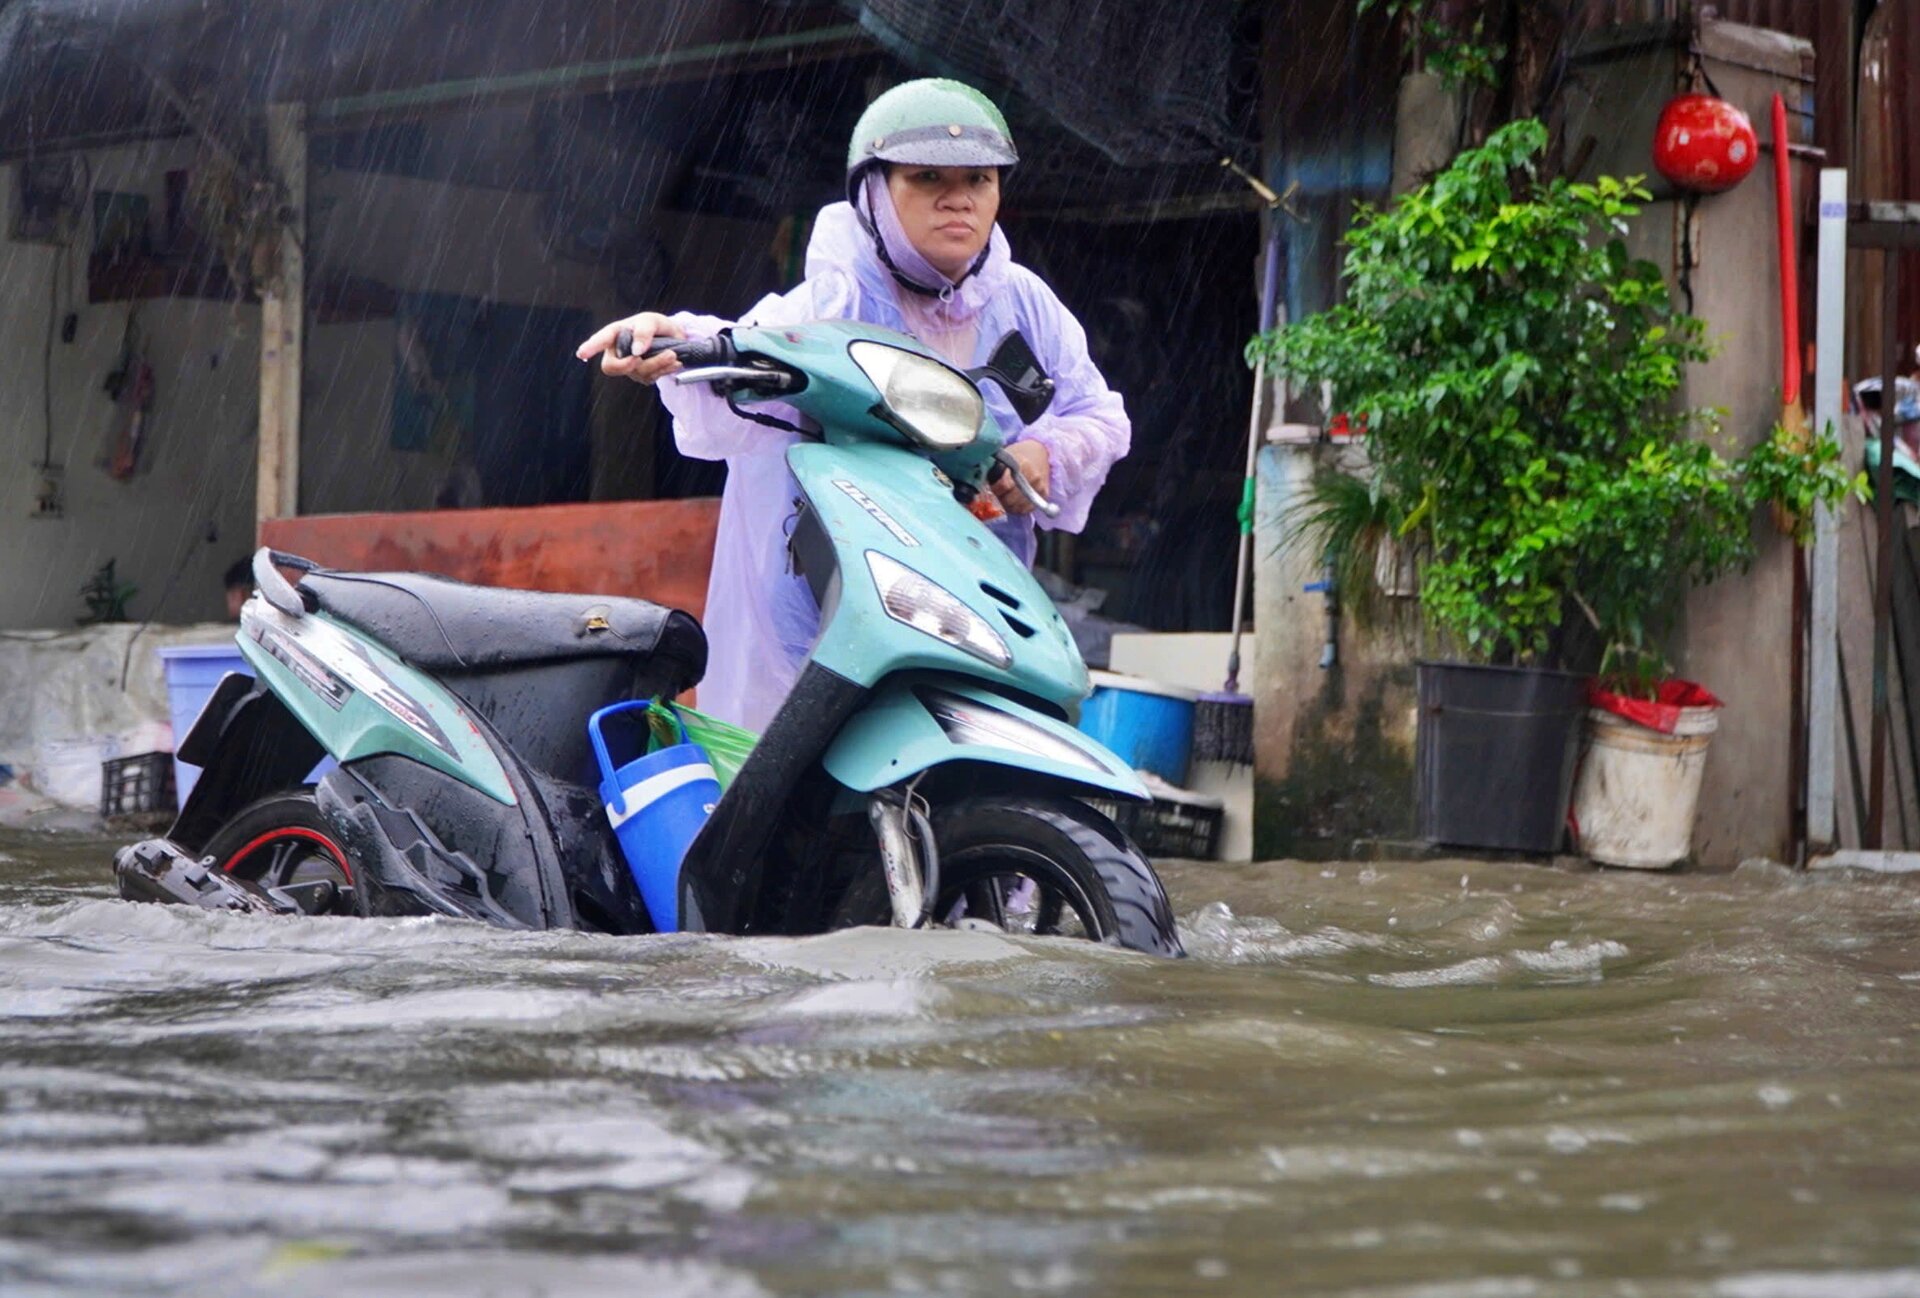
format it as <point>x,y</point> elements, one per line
<point>199,476</point>
<point>1197,660</point>
<point>405,233</point>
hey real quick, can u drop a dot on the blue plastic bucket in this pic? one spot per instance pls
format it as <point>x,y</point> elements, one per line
<point>656,804</point>
<point>193,672</point>
<point>1147,724</point>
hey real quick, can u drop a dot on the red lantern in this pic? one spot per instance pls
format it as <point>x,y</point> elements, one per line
<point>1704,144</point>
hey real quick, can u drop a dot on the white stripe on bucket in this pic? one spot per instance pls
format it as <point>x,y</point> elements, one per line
<point>653,788</point>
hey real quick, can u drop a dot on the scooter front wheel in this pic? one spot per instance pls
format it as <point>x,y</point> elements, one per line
<point>1052,867</point>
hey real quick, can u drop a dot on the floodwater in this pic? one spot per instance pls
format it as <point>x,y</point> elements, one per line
<point>1455,1079</point>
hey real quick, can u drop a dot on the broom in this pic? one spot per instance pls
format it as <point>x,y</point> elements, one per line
<point>1223,721</point>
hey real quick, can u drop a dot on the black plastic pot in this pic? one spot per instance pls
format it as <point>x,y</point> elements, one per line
<point>1494,755</point>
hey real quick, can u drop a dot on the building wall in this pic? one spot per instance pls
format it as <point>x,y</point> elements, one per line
<point>177,525</point>
<point>1736,639</point>
<point>190,513</point>
<point>1333,744</point>
<point>1333,701</point>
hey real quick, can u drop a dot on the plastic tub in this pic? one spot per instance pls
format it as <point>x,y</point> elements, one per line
<point>1147,724</point>
<point>193,673</point>
<point>656,803</point>
<point>1639,789</point>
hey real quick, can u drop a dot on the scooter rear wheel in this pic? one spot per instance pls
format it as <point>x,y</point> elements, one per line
<point>282,840</point>
<point>1051,867</point>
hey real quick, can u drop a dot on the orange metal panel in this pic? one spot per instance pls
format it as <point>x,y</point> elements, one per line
<point>660,550</point>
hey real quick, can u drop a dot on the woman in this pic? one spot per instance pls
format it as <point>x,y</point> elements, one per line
<point>915,248</point>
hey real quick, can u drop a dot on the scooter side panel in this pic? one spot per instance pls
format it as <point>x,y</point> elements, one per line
<point>896,736</point>
<point>359,700</point>
<point>873,497</point>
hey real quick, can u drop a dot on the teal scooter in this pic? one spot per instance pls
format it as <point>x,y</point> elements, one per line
<point>923,770</point>
<point>935,703</point>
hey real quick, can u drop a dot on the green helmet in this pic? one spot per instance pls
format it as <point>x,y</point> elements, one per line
<point>931,123</point>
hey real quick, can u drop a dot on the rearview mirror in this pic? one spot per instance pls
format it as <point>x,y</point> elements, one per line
<point>1017,370</point>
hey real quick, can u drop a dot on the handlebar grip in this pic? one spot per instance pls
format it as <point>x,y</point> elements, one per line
<point>691,351</point>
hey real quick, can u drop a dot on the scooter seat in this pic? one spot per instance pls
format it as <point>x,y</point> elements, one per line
<point>444,625</point>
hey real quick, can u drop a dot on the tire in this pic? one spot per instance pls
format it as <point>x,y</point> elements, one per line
<point>1085,874</point>
<point>279,840</point>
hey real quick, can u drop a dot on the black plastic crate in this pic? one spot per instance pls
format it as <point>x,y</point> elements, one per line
<point>132,786</point>
<point>1163,828</point>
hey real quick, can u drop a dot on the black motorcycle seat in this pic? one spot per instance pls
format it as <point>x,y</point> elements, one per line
<point>445,625</point>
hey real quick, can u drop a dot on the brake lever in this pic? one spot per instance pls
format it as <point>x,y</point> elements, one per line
<point>1004,461</point>
<point>771,380</point>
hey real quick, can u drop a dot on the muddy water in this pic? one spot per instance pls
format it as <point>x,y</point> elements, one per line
<point>1440,1079</point>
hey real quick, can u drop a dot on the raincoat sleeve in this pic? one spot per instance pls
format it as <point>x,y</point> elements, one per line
<point>703,426</point>
<point>1086,429</point>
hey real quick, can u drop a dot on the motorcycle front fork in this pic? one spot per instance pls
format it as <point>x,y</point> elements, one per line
<point>909,858</point>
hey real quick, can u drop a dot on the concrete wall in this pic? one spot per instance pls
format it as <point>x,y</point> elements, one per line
<point>190,513</point>
<point>1194,660</point>
<point>1333,743</point>
<point>177,525</point>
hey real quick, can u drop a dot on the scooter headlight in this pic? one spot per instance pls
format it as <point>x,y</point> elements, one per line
<point>910,598</point>
<point>938,407</point>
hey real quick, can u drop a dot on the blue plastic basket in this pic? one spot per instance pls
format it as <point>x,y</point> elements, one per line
<point>656,803</point>
<point>193,672</point>
<point>1148,724</point>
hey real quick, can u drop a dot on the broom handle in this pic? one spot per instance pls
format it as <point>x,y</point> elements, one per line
<point>1246,527</point>
<point>1269,307</point>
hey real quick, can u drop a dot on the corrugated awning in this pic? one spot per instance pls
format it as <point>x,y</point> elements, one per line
<point>1146,83</point>
<point>74,72</point>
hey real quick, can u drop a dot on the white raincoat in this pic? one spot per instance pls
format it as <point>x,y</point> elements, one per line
<point>761,619</point>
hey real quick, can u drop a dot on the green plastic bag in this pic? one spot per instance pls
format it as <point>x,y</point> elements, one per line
<point>726,745</point>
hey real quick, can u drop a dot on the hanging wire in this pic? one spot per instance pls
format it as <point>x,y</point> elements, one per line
<point>46,356</point>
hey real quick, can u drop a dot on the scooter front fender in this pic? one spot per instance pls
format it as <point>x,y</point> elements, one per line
<point>911,725</point>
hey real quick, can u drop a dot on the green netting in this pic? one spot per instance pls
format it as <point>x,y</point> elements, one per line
<point>726,745</point>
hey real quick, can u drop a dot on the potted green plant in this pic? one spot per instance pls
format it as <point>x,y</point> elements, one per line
<point>1638,789</point>
<point>1518,372</point>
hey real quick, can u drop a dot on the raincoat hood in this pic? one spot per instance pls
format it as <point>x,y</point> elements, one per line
<point>840,242</point>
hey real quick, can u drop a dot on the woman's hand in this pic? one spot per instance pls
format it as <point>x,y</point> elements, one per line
<point>1034,463</point>
<point>647,326</point>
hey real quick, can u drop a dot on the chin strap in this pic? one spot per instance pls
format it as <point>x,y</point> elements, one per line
<point>945,292</point>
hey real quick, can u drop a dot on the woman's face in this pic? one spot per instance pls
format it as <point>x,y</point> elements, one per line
<point>947,212</point>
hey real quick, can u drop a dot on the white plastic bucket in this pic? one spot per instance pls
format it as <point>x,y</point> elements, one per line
<point>1638,789</point>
